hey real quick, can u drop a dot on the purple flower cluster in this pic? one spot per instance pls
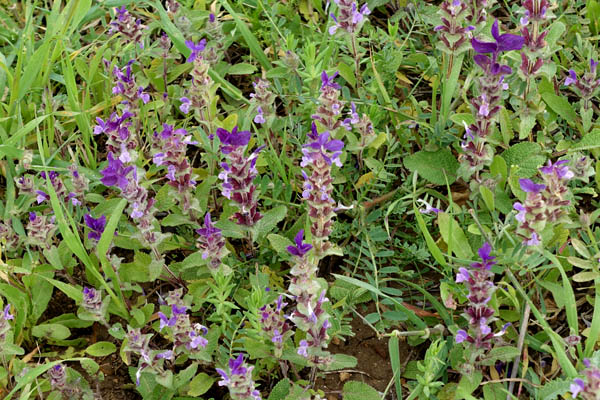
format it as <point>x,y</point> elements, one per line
<point>126,86</point>
<point>40,230</point>
<point>141,204</point>
<point>239,380</point>
<point>59,188</point>
<point>274,324</point>
<point>319,155</point>
<point>544,202</point>
<point>588,389</point>
<point>119,140</point>
<point>309,315</point>
<point>453,35</point>
<point>129,27</point>
<point>330,106</point>
<point>8,237</point>
<point>264,100</point>
<point>477,12</point>
<point>5,327</point>
<point>58,382</point>
<point>152,360</point>
<point>479,281</point>
<point>238,174</point>
<point>96,226</point>
<point>350,16</point>
<point>186,337</point>
<point>170,149</point>
<point>476,154</point>
<point>211,243</point>
<point>93,306</point>
<point>25,185</point>
<point>201,90</point>
<point>586,85</point>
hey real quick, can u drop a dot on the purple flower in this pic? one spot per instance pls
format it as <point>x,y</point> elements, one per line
<point>561,172</point>
<point>196,49</point>
<point>164,321</point>
<point>211,18</point>
<point>593,66</point>
<point>303,348</point>
<point>486,259</point>
<point>41,196</point>
<point>505,42</point>
<point>577,386</point>
<point>197,340</point>
<point>233,139</point>
<point>522,212</point>
<point>209,229</point>
<point>259,118</point>
<point>322,144</point>
<point>571,79</point>
<point>185,105</point>
<point>463,275</point>
<point>533,241</point>
<point>6,313</point>
<point>167,355</point>
<point>327,81</point>
<point>461,336</point>
<point>96,226</point>
<point>116,173</point>
<point>301,248</point>
<point>528,186</point>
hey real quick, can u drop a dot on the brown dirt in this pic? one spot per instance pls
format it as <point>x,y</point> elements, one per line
<point>373,365</point>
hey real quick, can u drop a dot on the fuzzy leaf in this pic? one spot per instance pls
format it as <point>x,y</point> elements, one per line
<point>434,166</point>
<point>354,390</point>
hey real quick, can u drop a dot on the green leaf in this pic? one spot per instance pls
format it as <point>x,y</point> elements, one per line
<point>394,350</point>
<point>354,390</point>
<point>527,156</point>
<point>175,220</point>
<point>468,384</point>
<point>200,384</point>
<point>241,69</point>
<point>270,220</point>
<point>435,166</point>
<point>589,141</point>
<point>488,197</point>
<point>585,276</point>
<point>281,390</point>
<point>279,243</point>
<point>553,389</point>
<point>454,236</point>
<point>101,349</point>
<point>347,73</point>
<point>51,331</point>
<point>561,106</point>
<point>503,353</point>
<point>342,361</point>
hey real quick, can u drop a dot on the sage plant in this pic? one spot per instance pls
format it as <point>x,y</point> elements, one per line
<point>119,140</point>
<point>170,149</point>
<point>454,35</point>
<point>274,325</point>
<point>309,314</point>
<point>212,245</point>
<point>588,389</point>
<point>40,230</point>
<point>476,152</point>
<point>141,205</point>
<point>5,326</point>
<point>201,91</point>
<point>349,16</point>
<point>93,306</point>
<point>187,338</point>
<point>150,360</point>
<point>318,157</point>
<point>238,174</point>
<point>57,376</point>
<point>239,380</point>
<point>478,338</point>
<point>330,106</point>
<point>264,100</point>
<point>130,28</point>
<point>586,85</point>
<point>544,202</point>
